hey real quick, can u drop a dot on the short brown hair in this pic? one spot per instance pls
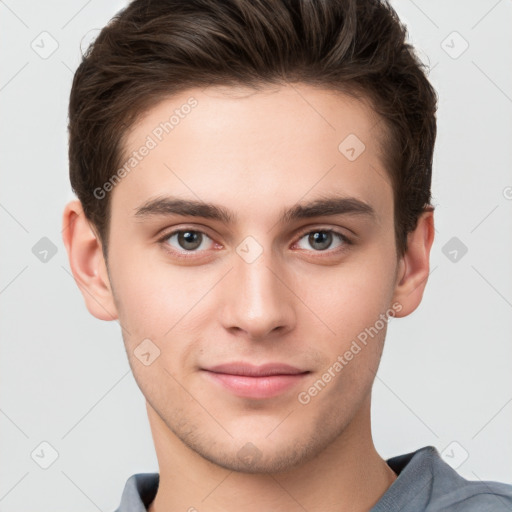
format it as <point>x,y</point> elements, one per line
<point>153,49</point>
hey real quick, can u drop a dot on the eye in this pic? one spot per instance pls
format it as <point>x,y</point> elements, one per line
<point>182,241</point>
<point>322,239</point>
<point>186,240</point>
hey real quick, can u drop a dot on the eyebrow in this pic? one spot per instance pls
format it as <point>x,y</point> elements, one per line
<point>321,207</point>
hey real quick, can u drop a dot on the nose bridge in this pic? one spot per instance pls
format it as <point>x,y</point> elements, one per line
<point>259,301</point>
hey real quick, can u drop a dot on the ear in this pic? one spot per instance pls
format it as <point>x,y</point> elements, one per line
<point>414,266</point>
<point>87,262</point>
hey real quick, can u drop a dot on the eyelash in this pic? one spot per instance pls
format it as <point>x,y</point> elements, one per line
<point>163,241</point>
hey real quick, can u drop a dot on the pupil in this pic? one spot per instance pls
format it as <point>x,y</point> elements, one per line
<point>189,240</point>
<point>321,237</point>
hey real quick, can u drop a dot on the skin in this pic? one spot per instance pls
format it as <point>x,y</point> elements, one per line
<point>255,153</point>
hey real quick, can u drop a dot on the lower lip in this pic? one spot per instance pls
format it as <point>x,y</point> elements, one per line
<point>257,387</point>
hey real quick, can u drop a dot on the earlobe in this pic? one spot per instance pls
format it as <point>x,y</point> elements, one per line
<point>414,267</point>
<point>87,262</point>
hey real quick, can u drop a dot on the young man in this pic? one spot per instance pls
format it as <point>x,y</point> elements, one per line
<point>254,206</point>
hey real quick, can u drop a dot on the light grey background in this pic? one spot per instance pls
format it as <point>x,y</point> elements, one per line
<point>445,377</point>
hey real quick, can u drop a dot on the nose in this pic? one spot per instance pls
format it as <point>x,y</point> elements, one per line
<point>258,302</point>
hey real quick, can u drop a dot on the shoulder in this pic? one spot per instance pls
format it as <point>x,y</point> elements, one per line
<point>454,492</point>
<point>139,491</point>
<point>469,495</point>
<point>426,482</point>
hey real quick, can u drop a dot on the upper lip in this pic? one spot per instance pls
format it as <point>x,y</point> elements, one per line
<point>247,369</point>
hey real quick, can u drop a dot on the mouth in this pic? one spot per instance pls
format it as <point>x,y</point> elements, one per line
<point>257,382</point>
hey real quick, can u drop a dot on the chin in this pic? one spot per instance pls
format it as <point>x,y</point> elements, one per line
<point>260,456</point>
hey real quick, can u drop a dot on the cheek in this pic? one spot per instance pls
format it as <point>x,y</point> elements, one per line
<point>348,298</point>
<point>163,303</point>
<point>143,297</point>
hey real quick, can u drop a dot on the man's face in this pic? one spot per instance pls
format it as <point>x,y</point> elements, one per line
<point>259,289</point>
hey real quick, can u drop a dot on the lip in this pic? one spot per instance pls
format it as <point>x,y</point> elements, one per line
<point>250,370</point>
<point>250,381</point>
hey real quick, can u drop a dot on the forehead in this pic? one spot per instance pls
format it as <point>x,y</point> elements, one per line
<point>255,150</point>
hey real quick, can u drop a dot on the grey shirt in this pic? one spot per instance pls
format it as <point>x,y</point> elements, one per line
<point>425,483</point>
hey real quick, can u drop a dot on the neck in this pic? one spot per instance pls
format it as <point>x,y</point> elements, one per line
<point>346,475</point>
